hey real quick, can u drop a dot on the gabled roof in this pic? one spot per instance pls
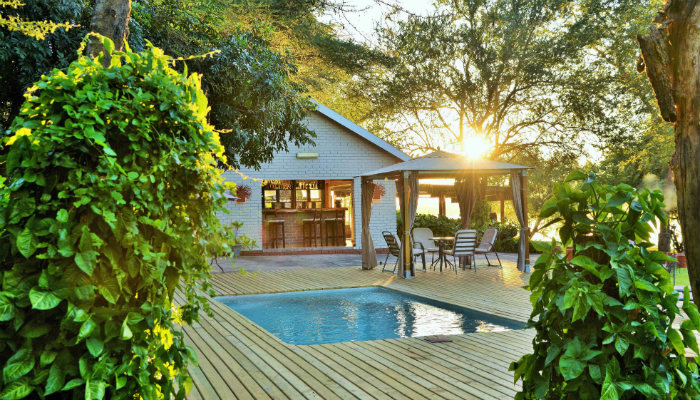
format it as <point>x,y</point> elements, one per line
<point>447,163</point>
<point>360,131</point>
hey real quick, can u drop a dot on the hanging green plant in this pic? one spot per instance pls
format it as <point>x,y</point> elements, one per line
<point>111,192</point>
<point>605,319</point>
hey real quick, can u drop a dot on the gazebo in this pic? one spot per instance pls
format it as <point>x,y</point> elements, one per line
<point>470,183</point>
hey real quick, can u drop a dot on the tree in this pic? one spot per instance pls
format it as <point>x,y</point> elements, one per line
<point>110,19</point>
<point>326,61</point>
<point>23,59</point>
<point>183,28</point>
<point>522,75</point>
<point>35,29</point>
<point>670,51</point>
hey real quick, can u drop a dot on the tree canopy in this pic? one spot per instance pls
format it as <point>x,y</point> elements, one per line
<point>264,78</point>
<point>522,75</point>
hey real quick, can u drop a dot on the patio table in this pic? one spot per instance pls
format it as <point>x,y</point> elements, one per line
<point>441,241</point>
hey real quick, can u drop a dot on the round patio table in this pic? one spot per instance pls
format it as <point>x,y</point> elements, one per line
<point>441,241</point>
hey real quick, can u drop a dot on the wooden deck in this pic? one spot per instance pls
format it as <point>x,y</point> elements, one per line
<point>240,360</point>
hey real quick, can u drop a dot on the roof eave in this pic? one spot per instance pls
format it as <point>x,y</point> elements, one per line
<point>362,132</point>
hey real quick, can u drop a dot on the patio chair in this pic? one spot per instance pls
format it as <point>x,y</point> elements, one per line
<point>465,244</point>
<point>394,245</point>
<point>486,246</point>
<point>421,240</point>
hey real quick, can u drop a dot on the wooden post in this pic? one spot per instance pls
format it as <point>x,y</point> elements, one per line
<point>407,251</point>
<point>503,205</point>
<point>526,230</point>
<point>442,207</point>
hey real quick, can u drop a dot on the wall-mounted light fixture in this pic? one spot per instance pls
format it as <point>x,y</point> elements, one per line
<point>307,156</point>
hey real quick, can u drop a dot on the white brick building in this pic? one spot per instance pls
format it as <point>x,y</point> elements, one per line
<point>342,151</point>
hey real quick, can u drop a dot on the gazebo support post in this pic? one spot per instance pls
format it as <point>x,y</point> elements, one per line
<point>503,205</point>
<point>406,240</point>
<point>526,231</point>
<point>441,204</point>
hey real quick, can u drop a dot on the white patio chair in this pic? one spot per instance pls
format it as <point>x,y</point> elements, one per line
<point>394,245</point>
<point>465,244</point>
<point>486,246</point>
<point>421,240</point>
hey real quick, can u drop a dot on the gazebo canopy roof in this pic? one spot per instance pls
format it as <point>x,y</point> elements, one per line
<point>443,164</point>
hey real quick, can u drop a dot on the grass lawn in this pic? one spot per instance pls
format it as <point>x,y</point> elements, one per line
<point>682,277</point>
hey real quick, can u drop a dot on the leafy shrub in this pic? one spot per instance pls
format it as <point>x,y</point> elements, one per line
<point>604,320</point>
<point>113,188</point>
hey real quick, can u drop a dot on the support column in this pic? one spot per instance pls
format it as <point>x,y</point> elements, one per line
<point>503,205</point>
<point>406,240</point>
<point>526,232</point>
<point>442,207</point>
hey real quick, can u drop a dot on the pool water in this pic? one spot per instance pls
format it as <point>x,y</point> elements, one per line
<point>359,314</point>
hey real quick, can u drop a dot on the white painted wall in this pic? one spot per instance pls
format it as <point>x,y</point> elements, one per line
<point>342,155</point>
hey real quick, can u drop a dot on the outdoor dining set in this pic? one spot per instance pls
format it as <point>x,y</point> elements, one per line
<point>462,248</point>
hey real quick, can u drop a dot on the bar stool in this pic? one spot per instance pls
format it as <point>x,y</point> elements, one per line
<point>335,229</point>
<point>309,229</point>
<point>275,229</point>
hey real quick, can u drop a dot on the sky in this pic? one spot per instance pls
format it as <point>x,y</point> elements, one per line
<point>360,23</point>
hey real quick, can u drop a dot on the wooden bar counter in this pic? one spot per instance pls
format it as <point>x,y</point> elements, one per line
<point>293,223</point>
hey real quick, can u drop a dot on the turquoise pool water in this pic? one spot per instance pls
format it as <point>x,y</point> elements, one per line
<point>359,314</point>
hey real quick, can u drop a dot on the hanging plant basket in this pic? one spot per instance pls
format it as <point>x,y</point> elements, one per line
<point>243,193</point>
<point>378,192</point>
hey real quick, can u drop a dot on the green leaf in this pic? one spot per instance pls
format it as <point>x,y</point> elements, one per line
<point>47,357</point>
<point>581,308</point>
<point>26,243</point>
<point>72,384</point>
<point>621,345</point>
<point>691,311</point>
<point>18,389</point>
<point>575,175</point>
<point>624,279</point>
<point>55,380</point>
<point>95,390</point>
<point>62,215</point>
<point>676,341</point>
<point>587,264</point>
<point>569,364</point>
<point>43,300</point>
<point>609,392</point>
<point>85,261</point>
<point>18,365</point>
<point>126,331</point>
<point>86,329</point>
<point>7,309</point>
<point>95,346</point>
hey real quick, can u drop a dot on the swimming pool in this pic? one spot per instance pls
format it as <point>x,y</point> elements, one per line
<point>359,314</point>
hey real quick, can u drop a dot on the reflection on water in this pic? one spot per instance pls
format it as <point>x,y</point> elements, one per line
<point>343,315</point>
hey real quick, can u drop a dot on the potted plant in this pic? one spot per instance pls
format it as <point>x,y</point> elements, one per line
<point>239,241</point>
<point>243,193</point>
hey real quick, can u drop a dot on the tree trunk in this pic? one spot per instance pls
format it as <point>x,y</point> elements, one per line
<point>680,30</point>
<point>110,19</point>
<point>664,231</point>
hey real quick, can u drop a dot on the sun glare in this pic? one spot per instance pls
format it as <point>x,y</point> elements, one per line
<point>475,147</point>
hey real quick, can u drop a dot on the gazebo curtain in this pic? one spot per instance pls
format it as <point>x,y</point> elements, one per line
<point>369,256</point>
<point>467,193</point>
<point>516,186</point>
<point>412,183</point>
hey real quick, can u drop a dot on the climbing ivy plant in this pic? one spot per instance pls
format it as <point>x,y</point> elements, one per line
<point>607,322</point>
<point>110,195</point>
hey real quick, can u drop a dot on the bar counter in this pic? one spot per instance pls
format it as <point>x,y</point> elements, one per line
<point>300,210</point>
<point>293,223</point>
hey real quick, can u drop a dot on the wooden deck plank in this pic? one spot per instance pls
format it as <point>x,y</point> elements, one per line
<point>239,359</point>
